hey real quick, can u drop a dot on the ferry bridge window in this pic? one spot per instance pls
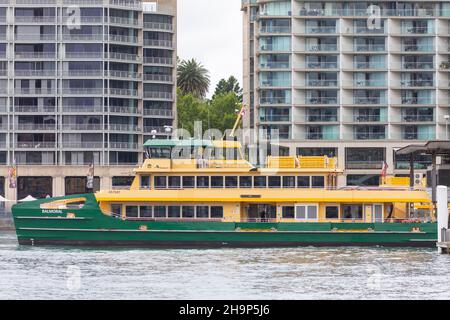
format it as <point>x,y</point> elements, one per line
<point>38,187</point>
<point>352,211</point>
<point>160,182</point>
<point>332,212</point>
<point>145,182</point>
<point>274,182</point>
<point>245,182</point>
<point>188,212</point>
<point>260,182</point>
<point>318,182</point>
<point>288,212</point>
<point>122,182</point>
<point>202,182</point>
<point>132,211</point>
<point>188,182</point>
<point>216,212</point>
<point>145,212</point>
<point>173,211</point>
<point>202,212</point>
<point>288,182</point>
<point>217,182</point>
<point>116,210</point>
<point>77,185</point>
<point>175,182</point>
<point>303,182</point>
<point>231,182</point>
<point>159,212</point>
<point>368,180</point>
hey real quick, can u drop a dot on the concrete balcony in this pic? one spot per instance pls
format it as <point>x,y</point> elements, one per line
<point>156,95</point>
<point>158,113</point>
<point>34,127</point>
<point>158,78</point>
<point>158,26</point>
<point>34,145</point>
<point>34,73</point>
<point>124,56</point>
<point>118,127</point>
<point>81,127</point>
<point>158,43</point>
<point>159,61</point>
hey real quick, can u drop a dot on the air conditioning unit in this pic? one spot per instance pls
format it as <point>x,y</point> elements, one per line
<point>418,179</point>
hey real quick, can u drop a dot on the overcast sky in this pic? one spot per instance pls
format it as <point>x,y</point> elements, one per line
<point>211,32</point>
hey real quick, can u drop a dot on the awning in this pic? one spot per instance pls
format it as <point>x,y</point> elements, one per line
<point>431,147</point>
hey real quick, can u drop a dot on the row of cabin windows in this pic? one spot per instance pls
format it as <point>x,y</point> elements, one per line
<point>200,212</point>
<point>177,182</point>
<point>309,212</point>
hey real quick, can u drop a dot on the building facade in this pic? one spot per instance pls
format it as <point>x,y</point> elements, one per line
<point>353,79</point>
<point>82,82</point>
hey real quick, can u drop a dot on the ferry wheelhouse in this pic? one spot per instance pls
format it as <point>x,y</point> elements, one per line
<point>198,193</point>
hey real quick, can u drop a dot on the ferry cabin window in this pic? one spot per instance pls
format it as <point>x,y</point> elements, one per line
<point>216,212</point>
<point>160,182</point>
<point>145,182</point>
<point>202,212</point>
<point>188,212</point>
<point>231,182</point>
<point>306,212</point>
<point>159,211</point>
<point>217,182</point>
<point>203,182</point>
<point>260,182</point>
<point>132,211</point>
<point>173,211</point>
<point>245,182</point>
<point>274,182</point>
<point>188,182</point>
<point>174,182</point>
<point>352,211</point>
<point>318,182</point>
<point>116,210</point>
<point>288,212</point>
<point>145,212</point>
<point>288,182</point>
<point>332,212</point>
<point>303,182</point>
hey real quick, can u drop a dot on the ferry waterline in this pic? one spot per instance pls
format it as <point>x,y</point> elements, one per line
<point>201,200</point>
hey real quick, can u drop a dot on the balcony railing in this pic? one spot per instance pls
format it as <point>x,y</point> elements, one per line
<point>33,109</point>
<point>275,100</point>
<point>35,55</point>
<point>35,73</point>
<point>418,48</point>
<point>370,47</point>
<point>158,95</point>
<point>35,19</point>
<point>37,37</point>
<point>418,65</point>
<point>274,65</point>
<point>275,118</point>
<point>322,47</point>
<point>417,83</point>
<point>158,77</point>
<point>369,136</point>
<point>83,37</point>
<point>331,29</point>
<point>35,91</point>
<point>34,145</point>
<point>158,112</point>
<point>84,55</point>
<point>158,43</point>
<point>321,118</point>
<point>158,26</point>
<point>123,38</point>
<point>123,145</point>
<point>123,56</point>
<point>369,65</point>
<point>322,65</point>
<point>82,91</point>
<point>124,110</point>
<point>417,118</point>
<point>123,127</point>
<point>121,92</point>
<point>156,129</point>
<point>415,100</point>
<point>158,60</point>
<point>35,126</point>
<point>322,83</point>
<point>275,29</point>
<point>368,83</point>
<point>357,100</point>
<point>123,21</point>
<point>364,164</point>
<point>123,74</point>
<point>83,73</point>
<point>82,145</point>
<point>82,127</point>
<point>367,118</point>
<point>321,100</point>
<point>416,30</point>
<point>82,109</point>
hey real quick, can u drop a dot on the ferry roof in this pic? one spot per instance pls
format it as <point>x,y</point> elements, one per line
<point>437,147</point>
<point>166,143</point>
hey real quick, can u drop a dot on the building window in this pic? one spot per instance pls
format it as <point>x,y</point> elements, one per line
<point>173,211</point>
<point>77,185</point>
<point>367,180</point>
<point>317,152</point>
<point>364,158</point>
<point>260,182</point>
<point>160,182</point>
<point>116,209</point>
<point>303,182</point>
<point>217,182</point>
<point>132,211</point>
<point>174,182</point>
<point>145,212</point>
<point>288,212</point>
<point>288,182</point>
<point>202,211</point>
<point>245,182</point>
<point>203,182</point>
<point>216,212</point>
<point>274,182</point>
<point>332,212</point>
<point>231,182</point>
<point>38,187</point>
<point>306,212</point>
<point>145,182</point>
<point>188,182</point>
<point>122,182</point>
<point>159,211</point>
<point>318,182</point>
<point>352,211</point>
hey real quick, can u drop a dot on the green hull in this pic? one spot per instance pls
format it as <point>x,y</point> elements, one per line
<point>91,228</point>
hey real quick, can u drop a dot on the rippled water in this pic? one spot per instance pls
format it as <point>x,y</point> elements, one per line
<point>303,273</point>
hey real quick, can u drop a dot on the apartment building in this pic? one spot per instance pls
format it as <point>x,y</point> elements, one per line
<point>82,82</point>
<point>348,79</point>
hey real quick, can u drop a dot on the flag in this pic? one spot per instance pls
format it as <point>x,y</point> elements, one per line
<point>384,170</point>
<point>243,111</point>
<point>90,177</point>
<point>12,175</point>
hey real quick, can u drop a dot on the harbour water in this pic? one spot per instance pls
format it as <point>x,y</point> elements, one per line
<point>301,273</point>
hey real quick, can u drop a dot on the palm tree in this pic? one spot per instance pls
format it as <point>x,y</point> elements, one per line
<point>193,78</point>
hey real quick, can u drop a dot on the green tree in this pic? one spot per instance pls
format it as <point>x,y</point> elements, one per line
<point>191,109</point>
<point>193,78</point>
<point>223,111</point>
<point>231,85</point>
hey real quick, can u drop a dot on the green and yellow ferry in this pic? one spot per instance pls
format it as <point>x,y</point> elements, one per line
<point>187,195</point>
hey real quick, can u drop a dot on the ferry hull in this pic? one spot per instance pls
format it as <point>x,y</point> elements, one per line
<point>90,227</point>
